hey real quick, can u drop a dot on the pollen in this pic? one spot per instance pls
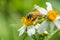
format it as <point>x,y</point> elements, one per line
<point>51,15</point>
<point>26,21</point>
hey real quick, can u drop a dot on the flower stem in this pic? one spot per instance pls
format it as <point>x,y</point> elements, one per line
<point>25,36</point>
<point>50,36</point>
<point>34,37</point>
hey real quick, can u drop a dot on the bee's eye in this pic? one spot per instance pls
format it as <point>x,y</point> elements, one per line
<point>29,16</point>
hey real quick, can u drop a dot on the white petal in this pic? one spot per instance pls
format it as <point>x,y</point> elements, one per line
<point>49,6</point>
<point>56,22</point>
<point>58,17</point>
<point>37,26</point>
<point>31,30</point>
<point>51,27</point>
<point>40,9</point>
<point>43,26</point>
<point>21,30</point>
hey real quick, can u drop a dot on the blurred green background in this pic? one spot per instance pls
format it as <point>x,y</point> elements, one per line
<point>11,12</point>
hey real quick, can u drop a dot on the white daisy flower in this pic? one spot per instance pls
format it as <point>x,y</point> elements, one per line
<point>27,25</point>
<point>30,30</point>
<point>41,27</point>
<point>51,15</point>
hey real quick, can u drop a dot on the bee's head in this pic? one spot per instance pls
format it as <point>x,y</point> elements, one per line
<point>29,16</point>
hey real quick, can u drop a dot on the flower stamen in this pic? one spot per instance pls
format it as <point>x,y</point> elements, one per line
<point>51,15</point>
<point>26,21</point>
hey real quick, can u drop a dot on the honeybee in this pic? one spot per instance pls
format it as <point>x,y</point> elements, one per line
<point>33,15</point>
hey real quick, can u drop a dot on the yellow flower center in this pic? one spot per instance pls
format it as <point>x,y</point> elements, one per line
<point>51,15</point>
<point>26,21</point>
